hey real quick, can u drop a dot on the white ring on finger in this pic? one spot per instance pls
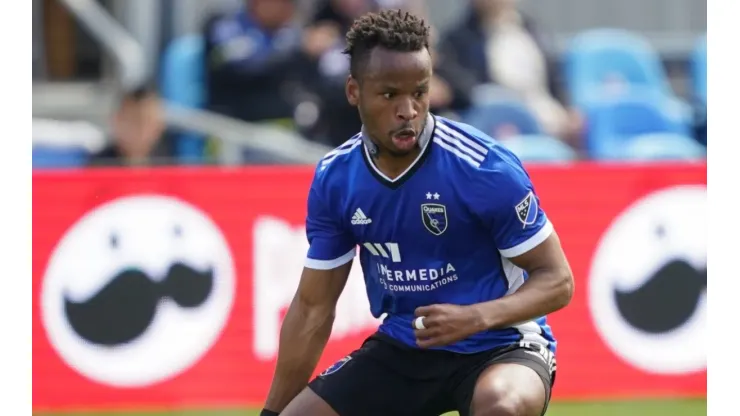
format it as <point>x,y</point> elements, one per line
<point>419,323</point>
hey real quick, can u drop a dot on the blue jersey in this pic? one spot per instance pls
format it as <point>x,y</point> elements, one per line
<point>441,232</point>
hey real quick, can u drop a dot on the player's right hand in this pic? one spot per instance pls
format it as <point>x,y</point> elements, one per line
<point>446,324</point>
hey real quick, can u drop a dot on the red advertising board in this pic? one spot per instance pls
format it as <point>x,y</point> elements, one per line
<point>129,245</point>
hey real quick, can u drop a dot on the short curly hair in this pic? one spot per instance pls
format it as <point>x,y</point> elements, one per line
<point>395,30</point>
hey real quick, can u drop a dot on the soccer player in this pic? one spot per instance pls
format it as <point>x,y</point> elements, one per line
<point>456,253</point>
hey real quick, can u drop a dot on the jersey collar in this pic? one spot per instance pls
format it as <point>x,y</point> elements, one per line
<point>370,150</point>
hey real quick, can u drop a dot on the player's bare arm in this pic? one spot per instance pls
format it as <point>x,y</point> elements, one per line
<point>549,288</point>
<point>305,331</point>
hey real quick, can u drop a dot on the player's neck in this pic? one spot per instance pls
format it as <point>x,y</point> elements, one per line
<point>393,166</point>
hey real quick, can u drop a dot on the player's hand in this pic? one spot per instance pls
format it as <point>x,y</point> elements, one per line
<point>446,324</point>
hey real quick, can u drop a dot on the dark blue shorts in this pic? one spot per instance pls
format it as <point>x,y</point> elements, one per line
<point>385,377</point>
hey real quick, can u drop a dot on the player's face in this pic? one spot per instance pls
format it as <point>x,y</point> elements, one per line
<point>392,98</point>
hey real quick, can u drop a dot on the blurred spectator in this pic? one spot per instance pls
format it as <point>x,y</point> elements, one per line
<point>139,133</point>
<point>261,66</point>
<point>324,114</point>
<point>250,59</point>
<point>498,44</point>
<point>451,85</point>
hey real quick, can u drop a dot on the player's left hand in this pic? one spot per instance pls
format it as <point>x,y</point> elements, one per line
<point>446,324</point>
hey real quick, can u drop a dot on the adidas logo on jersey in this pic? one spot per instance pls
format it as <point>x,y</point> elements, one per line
<point>359,218</point>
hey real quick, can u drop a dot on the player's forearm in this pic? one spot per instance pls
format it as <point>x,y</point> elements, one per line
<point>544,292</point>
<point>303,337</point>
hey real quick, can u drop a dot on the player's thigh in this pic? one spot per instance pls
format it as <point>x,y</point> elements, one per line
<point>308,403</point>
<point>516,382</point>
<point>366,383</point>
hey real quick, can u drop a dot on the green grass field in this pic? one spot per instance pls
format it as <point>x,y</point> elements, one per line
<point>622,408</point>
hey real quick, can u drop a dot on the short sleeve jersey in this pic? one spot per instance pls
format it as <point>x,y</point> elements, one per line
<point>442,232</point>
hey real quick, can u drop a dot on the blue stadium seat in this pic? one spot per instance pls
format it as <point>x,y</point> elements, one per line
<point>611,122</point>
<point>43,157</point>
<point>663,147</point>
<point>540,149</point>
<point>183,83</point>
<point>699,70</point>
<point>496,114</point>
<point>603,62</point>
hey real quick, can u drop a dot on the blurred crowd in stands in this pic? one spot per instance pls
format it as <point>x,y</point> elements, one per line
<point>270,62</point>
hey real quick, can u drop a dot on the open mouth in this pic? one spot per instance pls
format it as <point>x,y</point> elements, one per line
<point>404,139</point>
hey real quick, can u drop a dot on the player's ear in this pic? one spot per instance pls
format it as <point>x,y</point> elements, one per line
<point>352,89</point>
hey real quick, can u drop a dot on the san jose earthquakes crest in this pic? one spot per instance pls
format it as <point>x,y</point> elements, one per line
<point>434,217</point>
<point>336,366</point>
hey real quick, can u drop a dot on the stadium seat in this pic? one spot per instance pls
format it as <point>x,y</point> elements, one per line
<point>183,83</point>
<point>611,122</point>
<point>540,149</point>
<point>698,88</point>
<point>663,147</point>
<point>43,157</point>
<point>501,118</point>
<point>609,62</point>
<point>58,144</point>
<point>699,70</point>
